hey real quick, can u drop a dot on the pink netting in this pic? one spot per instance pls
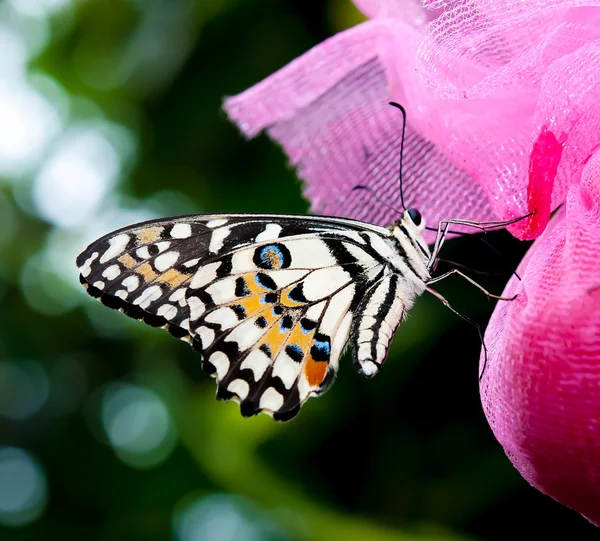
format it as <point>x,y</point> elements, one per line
<point>509,72</point>
<point>541,385</point>
<point>503,103</point>
<point>329,110</point>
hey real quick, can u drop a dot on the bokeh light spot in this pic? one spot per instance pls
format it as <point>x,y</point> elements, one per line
<point>137,425</point>
<point>27,124</point>
<point>222,517</point>
<point>38,8</point>
<point>77,177</point>
<point>23,487</point>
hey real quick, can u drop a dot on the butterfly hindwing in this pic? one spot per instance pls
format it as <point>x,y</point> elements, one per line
<point>272,331</point>
<point>268,300</point>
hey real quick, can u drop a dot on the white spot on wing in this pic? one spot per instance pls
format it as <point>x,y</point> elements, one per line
<point>270,232</point>
<point>205,275</point>
<point>285,277</point>
<point>246,334</point>
<point>131,283</point>
<point>148,295</point>
<point>225,317</point>
<point>179,296</point>
<point>287,369</point>
<point>304,389</point>
<point>168,311</point>
<point>197,307</point>
<point>162,246</point>
<point>256,361</point>
<point>340,339</point>
<point>336,311</point>
<point>222,291</point>
<point>239,387</point>
<point>309,253</point>
<point>206,335</point>
<point>166,261</point>
<point>323,282</point>
<point>86,268</point>
<point>116,246</point>
<point>271,399</point>
<point>181,231</point>
<point>99,285</point>
<point>121,294</point>
<point>143,252</point>
<point>217,239</point>
<point>314,312</point>
<point>220,362</point>
<point>110,273</point>
<point>191,263</point>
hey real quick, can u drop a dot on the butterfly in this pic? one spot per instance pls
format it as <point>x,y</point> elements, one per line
<point>270,301</point>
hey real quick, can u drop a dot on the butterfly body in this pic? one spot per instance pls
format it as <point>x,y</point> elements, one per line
<point>270,301</point>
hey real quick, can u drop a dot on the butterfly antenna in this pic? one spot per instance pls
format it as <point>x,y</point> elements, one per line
<point>403,111</point>
<point>377,198</point>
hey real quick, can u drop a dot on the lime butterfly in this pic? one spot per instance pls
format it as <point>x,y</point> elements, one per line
<point>270,301</point>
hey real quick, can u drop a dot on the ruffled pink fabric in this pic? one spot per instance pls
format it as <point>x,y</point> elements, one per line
<point>503,105</point>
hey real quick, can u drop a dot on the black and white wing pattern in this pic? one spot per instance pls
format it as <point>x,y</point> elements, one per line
<point>270,301</point>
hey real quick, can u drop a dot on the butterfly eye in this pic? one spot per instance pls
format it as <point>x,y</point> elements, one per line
<point>415,216</point>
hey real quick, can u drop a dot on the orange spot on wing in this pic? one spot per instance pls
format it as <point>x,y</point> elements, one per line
<point>148,235</point>
<point>315,371</point>
<point>275,339</point>
<point>173,278</point>
<point>272,258</point>
<point>251,284</point>
<point>146,272</point>
<point>252,305</point>
<point>303,340</point>
<point>127,261</point>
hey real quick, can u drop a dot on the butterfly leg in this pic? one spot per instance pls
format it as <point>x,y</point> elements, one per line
<point>443,229</point>
<point>445,302</point>
<point>470,280</point>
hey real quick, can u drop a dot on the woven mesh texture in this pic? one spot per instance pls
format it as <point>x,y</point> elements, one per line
<point>510,72</point>
<point>540,387</point>
<point>329,110</point>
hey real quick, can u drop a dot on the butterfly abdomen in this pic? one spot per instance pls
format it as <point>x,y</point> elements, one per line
<point>380,313</point>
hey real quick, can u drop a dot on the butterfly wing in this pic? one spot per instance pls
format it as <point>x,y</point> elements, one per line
<point>144,270</point>
<point>269,301</point>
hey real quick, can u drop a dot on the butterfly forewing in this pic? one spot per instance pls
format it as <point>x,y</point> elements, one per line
<point>269,301</point>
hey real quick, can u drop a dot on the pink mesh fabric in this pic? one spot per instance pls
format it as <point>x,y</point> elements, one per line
<point>503,103</point>
<point>510,72</point>
<point>541,385</point>
<point>329,110</point>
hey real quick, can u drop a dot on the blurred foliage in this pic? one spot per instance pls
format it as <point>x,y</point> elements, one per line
<point>110,114</point>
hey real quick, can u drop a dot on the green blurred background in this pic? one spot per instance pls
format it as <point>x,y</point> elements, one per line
<point>110,114</point>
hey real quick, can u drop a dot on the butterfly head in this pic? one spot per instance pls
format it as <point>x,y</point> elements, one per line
<point>408,230</point>
<point>411,221</point>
